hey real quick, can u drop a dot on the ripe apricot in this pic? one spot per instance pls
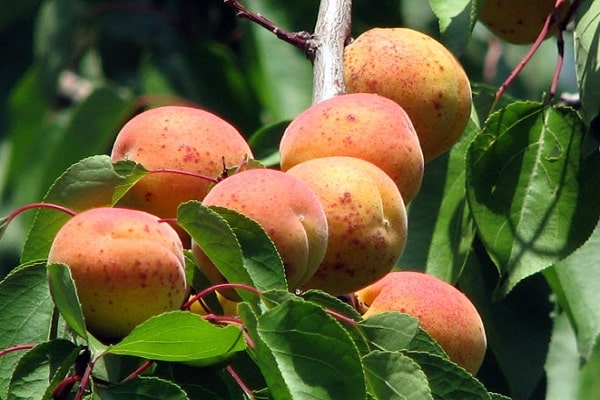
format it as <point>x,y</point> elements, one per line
<point>362,125</point>
<point>418,73</point>
<point>443,311</point>
<point>127,266</point>
<point>286,208</point>
<point>366,218</point>
<point>180,138</point>
<point>518,25</point>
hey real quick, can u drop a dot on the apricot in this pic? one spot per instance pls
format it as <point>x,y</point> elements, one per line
<point>127,266</point>
<point>229,306</point>
<point>518,25</point>
<point>366,218</point>
<point>362,125</point>
<point>180,138</point>
<point>418,73</point>
<point>443,311</point>
<point>286,208</point>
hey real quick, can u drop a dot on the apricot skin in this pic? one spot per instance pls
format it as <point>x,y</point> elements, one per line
<point>127,266</point>
<point>443,311</point>
<point>286,208</point>
<point>517,25</point>
<point>182,138</point>
<point>366,218</point>
<point>362,125</point>
<point>418,73</point>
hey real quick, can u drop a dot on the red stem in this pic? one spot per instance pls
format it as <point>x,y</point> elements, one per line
<point>214,288</point>
<point>236,377</point>
<point>180,172</point>
<point>16,348</point>
<point>139,371</point>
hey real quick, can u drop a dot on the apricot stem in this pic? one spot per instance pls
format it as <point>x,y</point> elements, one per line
<point>214,288</point>
<point>181,172</point>
<point>139,370</point>
<point>16,348</point>
<point>236,377</point>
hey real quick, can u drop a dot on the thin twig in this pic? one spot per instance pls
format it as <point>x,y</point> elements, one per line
<point>298,39</point>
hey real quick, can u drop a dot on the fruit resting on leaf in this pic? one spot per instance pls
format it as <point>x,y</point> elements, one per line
<point>366,218</point>
<point>443,311</point>
<point>181,138</point>
<point>127,266</point>
<point>286,208</point>
<point>418,73</point>
<point>362,125</point>
<point>518,23</point>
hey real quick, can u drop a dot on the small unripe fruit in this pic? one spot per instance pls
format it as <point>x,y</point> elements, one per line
<point>127,266</point>
<point>180,138</point>
<point>443,311</point>
<point>520,24</point>
<point>418,73</point>
<point>361,125</point>
<point>366,218</point>
<point>286,208</point>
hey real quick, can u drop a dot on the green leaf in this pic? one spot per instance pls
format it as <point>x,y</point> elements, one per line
<point>132,172</point>
<point>315,355</point>
<point>456,20</point>
<point>423,342</point>
<point>447,380</point>
<point>441,245</point>
<point>216,238</point>
<point>392,375</point>
<point>518,326</point>
<point>390,331</point>
<point>587,56</point>
<point>33,375</point>
<point>141,388</point>
<point>88,183</point>
<point>265,143</point>
<point>575,281</point>
<point>181,336</point>
<point>64,294</point>
<point>327,301</point>
<point>532,192</point>
<point>261,259</point>
<point>283,87</point>
<point>25,314</point>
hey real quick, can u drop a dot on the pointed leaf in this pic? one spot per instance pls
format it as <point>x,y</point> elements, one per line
<point>447,380</point>
<point>183,337</point>
<point>587,56</point>
<point>25,314</point>
<point>533,194</point>
<point>88,183</point>
<point>315,354</point>
<point>441,245</point>
<point>392,375</point>
<point>64,294</point>
<point>33,375</point>
<point>261,259</point>
<point>575,280</point>
<point>141,388</point>
<point>456,20</point>
<point>390,331</point>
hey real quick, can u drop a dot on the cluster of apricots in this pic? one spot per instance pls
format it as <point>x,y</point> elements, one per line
<point>335,208</point>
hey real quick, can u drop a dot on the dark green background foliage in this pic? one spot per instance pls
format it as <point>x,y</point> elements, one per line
<point>510,215</point>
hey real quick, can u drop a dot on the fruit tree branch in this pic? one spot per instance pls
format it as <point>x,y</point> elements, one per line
<point>332,31</point>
